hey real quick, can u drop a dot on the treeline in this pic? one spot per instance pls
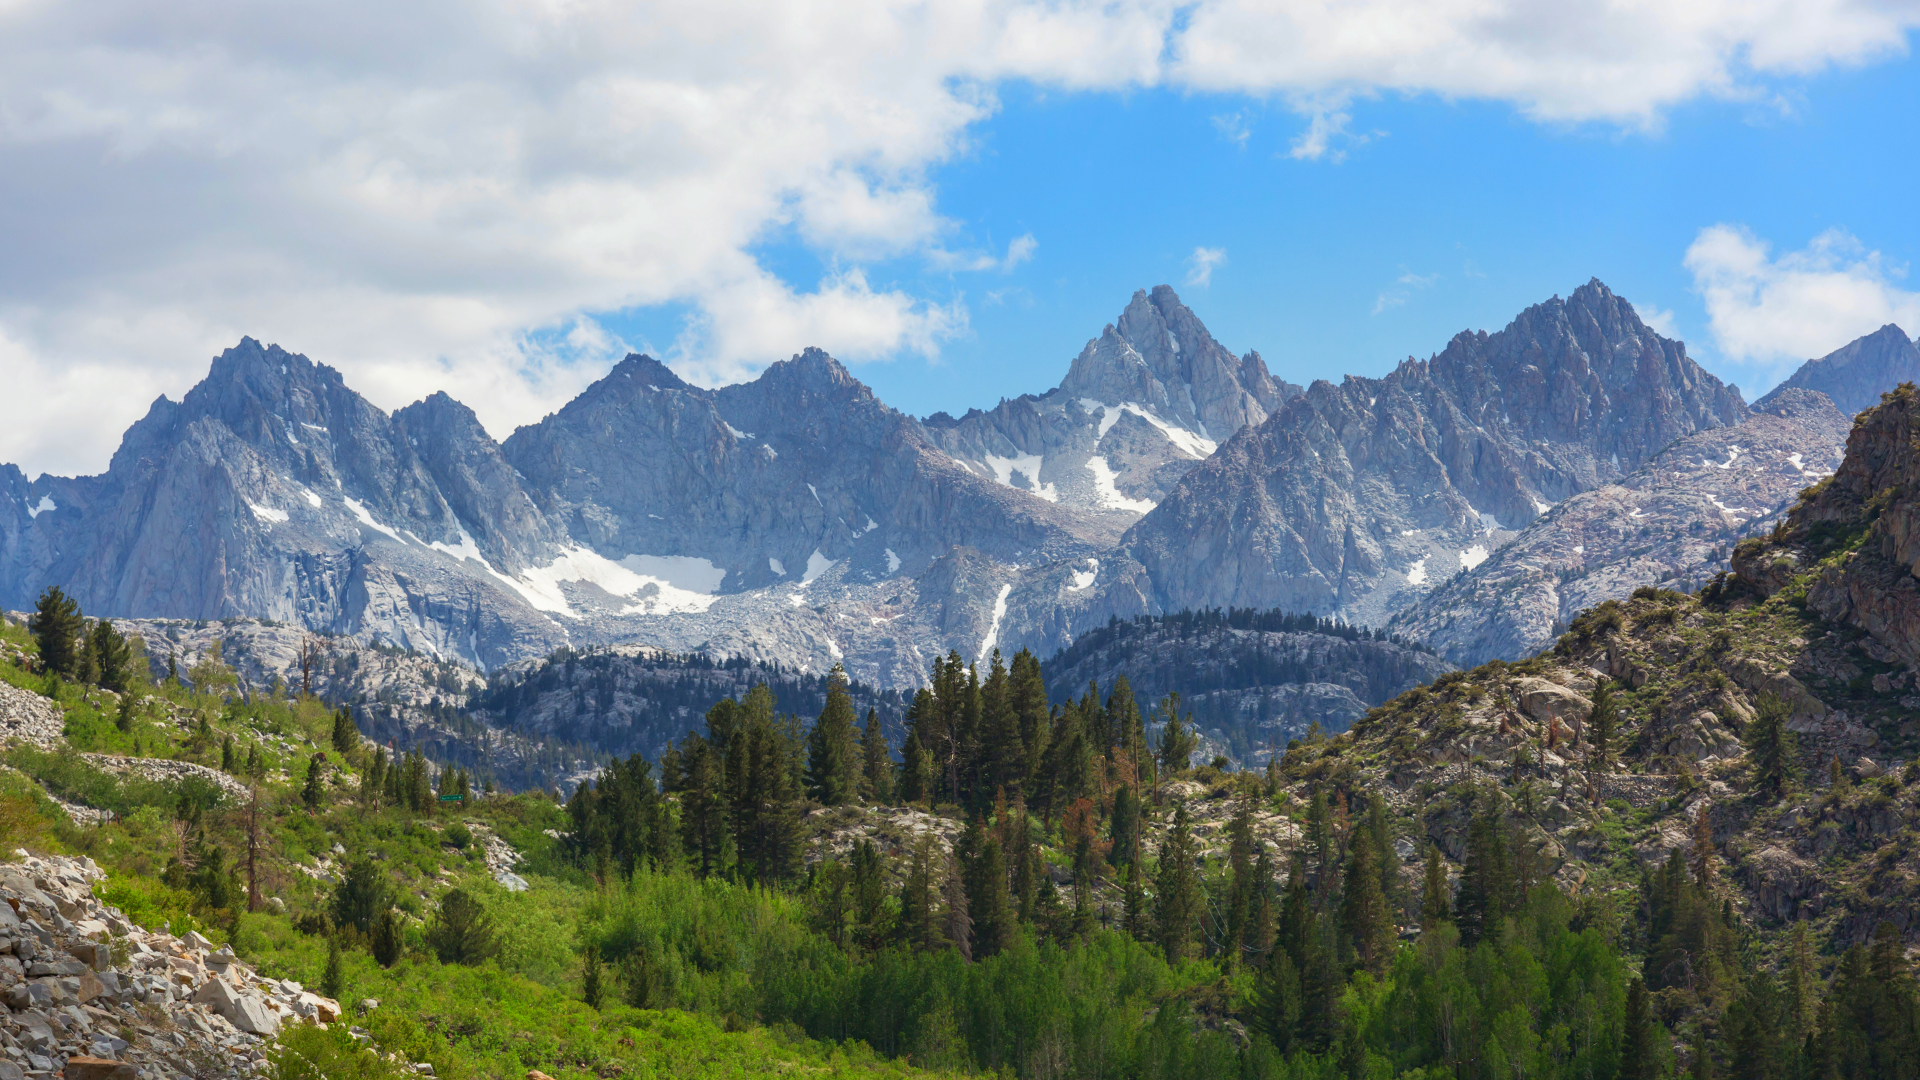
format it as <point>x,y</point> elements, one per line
<point>618,703</point>
<point>986,955</point>
<point>1189,621</point>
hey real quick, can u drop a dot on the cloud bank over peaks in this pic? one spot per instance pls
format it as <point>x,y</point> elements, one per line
<point>1775,311</point>
<point>445,195</point>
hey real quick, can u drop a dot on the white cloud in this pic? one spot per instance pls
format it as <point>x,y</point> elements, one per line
<point>1020,250</point>
<point>1773,311</point>
<point>1405,286</point>
<point>1201,263</point>
<point>1661,321</point>
<point>446,195</point>
<point>1234,127</point>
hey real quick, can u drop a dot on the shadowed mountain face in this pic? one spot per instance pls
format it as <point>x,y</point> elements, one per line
<point>1355,498</point>
<point>1856,374</point>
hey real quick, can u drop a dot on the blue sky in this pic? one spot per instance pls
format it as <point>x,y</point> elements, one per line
<point>1449,216</point>
<point>952,196</point>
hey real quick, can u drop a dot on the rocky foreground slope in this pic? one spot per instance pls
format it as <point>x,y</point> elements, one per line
<point>1821,616</point>
<point>91,996</point>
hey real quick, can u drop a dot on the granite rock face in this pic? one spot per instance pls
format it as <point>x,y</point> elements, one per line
<point>1143,403</point>
<point>1856,374</point>
<point>1672,524</point>
<point>1356,498</point>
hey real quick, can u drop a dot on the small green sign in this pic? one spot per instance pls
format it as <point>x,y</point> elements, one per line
<point>451,798</point>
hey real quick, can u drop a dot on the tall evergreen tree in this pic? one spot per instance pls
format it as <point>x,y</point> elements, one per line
<point>1177,890</point>
<point>876,762</point>
<point>1436,898</point>
<point>703,806</point>
<point>1027,699</point>
<point>1637,1061</point>
<point>833,768</point>
<point>111,659</point>
<point>1363,908</point>
<point>988,902</point>
<point>346,734</point>
<point>869,896</point>
<point>1770,746</point>
<point>919,922</point>
<point>1124,827</point>
<point>1486,884</point>
<point>60,632</point>
<point>1602,721</point>
<point>313,792</point>
<point>959,922</point>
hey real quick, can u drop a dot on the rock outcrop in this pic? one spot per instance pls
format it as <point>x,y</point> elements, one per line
<point>79,981</point>
<point>1672,523</point>
<point>1856,374</point>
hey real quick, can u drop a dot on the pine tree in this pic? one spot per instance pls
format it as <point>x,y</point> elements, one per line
<point>110,657</point>
<point>462,931</point>
<point>372,780</point>
<point>1177,899</point>
<point>703,806</point>
<point>346,734</point>
<point>333,982</point>
<point>387,944</point>
<point>1363,909</point>
<point>59,631</point>
<point>959,923</point>
<point>1637,1061</point>
<point>1602,720</point>
<point>1003,764</point>
<point>1803,984</point>
<point>1027,699</point>
<point>1133,911</point>
<point>592,988</point>
<point>1124,827</point>
<point>916,771</point>
<point>988,903</point>
<point>227,763</point>
<point>1486,887</point>
<point>869,896</point>
<point>1386,864</point>
<point>1177,739</point>
<point>832,764</point>
<point>313,793</point>
<point>876,762</point>
<point>918,926</point>
<point>1435,897</point>
<point>1770,746</point>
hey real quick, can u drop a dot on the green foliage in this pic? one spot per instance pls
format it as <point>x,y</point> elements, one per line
<point>59,632</point>
<point>1771,746</point>
<point>462,932</point>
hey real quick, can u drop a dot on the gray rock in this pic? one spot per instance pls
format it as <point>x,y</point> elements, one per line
<point>1672,523</point>
<point>1855,375</point>
<point>245,1010</point>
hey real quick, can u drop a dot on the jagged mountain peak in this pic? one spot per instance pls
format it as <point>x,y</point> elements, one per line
<point>1856,374</point>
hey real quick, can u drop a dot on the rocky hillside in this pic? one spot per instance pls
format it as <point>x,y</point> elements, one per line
<point>1820,617</point>
<point>91,995</point>
<point>1672,523</point>
<point>1856,374</point>
<point>1253,681</point>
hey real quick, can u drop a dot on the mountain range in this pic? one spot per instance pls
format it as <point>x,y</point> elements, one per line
<point>798,520</point>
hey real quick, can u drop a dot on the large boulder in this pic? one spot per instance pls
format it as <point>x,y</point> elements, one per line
<point>247,1011</point>
<point>83,1067</point>
<point>1545,701</point>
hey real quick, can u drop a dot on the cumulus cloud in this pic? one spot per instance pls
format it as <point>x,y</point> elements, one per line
<point>1774,311</point>
<point>1201,264</point>
<point>449,195</point>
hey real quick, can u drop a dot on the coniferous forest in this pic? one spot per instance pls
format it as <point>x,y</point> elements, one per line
<point>1081,925</point>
